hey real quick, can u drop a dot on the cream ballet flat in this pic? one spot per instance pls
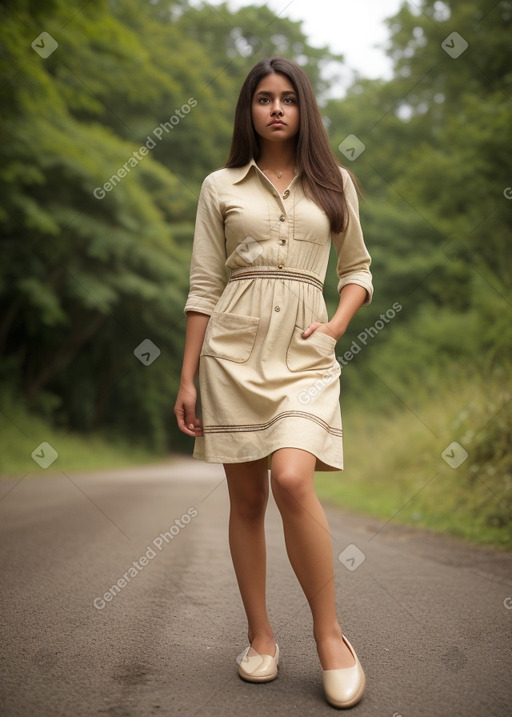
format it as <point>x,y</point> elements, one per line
<point>344,687</point>
<point>258,668</point>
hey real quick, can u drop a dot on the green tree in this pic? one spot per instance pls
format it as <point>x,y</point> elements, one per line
<point>435,166</point>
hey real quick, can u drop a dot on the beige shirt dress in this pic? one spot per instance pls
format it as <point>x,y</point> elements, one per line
<point>258,265</point>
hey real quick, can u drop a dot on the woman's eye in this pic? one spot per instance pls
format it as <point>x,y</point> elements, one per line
<point>286,100</point>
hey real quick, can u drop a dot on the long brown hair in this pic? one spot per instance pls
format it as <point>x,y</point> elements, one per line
<point>321,175</point>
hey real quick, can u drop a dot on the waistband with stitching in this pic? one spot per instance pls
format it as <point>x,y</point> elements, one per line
<point>266,272</point>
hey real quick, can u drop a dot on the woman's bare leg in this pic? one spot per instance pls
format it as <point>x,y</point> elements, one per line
<point>248,495</point>
<point>309,547</point>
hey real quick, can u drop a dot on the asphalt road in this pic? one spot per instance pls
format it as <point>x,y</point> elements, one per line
<point>431,618</point>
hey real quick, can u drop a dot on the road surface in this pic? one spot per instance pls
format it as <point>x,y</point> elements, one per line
<point>119,599</point>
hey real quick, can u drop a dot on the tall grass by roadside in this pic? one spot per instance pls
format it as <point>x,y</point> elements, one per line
<point>22,432</point>
<point>394,465</point>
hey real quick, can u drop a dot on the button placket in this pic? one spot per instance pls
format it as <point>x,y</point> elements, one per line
<point>282,253</point>
<point>287,232</point>
<point>281,228</point>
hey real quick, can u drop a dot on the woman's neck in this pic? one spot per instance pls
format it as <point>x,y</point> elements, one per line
<point>277,156</point>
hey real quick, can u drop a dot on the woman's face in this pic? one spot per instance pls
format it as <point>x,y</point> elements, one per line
<point>275,109</point>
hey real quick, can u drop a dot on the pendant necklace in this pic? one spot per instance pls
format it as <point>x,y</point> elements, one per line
<point>280,173</point>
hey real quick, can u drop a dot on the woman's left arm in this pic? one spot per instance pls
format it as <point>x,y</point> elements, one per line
<point>353,269</point>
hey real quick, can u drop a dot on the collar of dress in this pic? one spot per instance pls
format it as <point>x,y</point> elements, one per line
<point>240,173</point>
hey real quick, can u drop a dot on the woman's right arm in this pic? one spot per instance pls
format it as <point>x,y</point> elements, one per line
<point>207,281</point>
<point>185,406</point>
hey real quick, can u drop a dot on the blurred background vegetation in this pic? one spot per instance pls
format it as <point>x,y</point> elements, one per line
<point>83,281</point>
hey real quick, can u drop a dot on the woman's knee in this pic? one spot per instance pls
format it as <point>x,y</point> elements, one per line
<point>248,493</point>
<point>290,486</point>
<point>292,476</point>
<point>249,505</point>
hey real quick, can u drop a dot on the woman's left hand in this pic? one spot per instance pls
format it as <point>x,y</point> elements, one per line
<point>322,328</point>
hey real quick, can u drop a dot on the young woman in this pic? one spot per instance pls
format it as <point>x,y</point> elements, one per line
<point>262,347</point>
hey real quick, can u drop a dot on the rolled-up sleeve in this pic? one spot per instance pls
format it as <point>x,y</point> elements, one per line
<point>353,266</point>
<point>208,273</point>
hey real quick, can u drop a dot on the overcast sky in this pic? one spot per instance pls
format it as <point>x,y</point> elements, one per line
<point>354,28</point>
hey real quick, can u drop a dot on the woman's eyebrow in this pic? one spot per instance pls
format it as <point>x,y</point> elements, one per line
<point>267,92</point>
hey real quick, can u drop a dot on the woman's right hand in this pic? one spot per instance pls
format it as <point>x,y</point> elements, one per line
<point>185,411</point>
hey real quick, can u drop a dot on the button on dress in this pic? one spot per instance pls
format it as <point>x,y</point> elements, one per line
<point>258,266</point>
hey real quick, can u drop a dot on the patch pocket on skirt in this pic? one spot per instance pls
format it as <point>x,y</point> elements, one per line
<point>230,336</point>
<point>316,353</point>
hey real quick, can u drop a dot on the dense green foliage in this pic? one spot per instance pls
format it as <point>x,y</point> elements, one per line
<point>436,166</point>
<point>105,143</point>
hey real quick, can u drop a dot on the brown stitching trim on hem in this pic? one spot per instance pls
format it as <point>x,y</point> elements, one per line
<point>250,427</point>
